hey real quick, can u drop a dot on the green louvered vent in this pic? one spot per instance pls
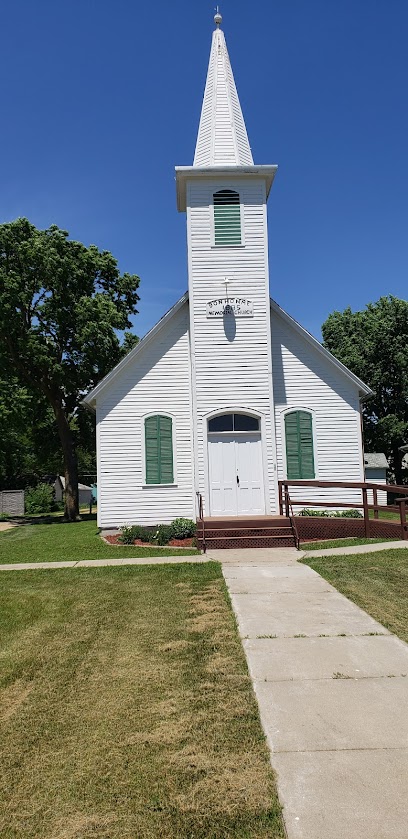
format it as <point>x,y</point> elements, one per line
<point>227,217</point>
<point>159,450</point>
<point>299,446</point>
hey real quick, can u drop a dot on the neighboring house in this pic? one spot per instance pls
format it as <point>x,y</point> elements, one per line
<point>227,393</point>
<point>84,492</point>
<point>375,467</point>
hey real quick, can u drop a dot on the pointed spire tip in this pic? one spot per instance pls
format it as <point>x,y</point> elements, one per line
<point>218,17</point>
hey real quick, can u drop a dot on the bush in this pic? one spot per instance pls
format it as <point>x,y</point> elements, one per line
<point>163,534</point>
<point>312,512</point>
<point>39,499</point>
<point>183,528</point>
<point>130,532</point>
<point>348,514</point>
<point>335,514</point>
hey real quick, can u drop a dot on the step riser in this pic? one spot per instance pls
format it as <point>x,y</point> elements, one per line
<point>246,542</point>
<point>260,532</point>
<point>244,524</point>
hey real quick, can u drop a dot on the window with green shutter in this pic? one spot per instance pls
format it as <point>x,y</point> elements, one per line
<point>227,217</point>
<point>299,446</point>
<point>159,450</point>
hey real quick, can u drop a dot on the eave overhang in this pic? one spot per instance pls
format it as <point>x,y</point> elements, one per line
<point>185,173</point>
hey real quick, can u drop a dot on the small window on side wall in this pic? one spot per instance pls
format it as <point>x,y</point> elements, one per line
<point>159,450</point>
<point>227,218</point>
<point>299,446</point>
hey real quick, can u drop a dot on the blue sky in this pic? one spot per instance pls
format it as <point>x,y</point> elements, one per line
<point>101,100</point>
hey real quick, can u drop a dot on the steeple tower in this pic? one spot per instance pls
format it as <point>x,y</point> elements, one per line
<point>225,195</point>
<point>222,135</point>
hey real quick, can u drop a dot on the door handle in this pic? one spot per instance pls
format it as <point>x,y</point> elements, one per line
<point>238,480</point>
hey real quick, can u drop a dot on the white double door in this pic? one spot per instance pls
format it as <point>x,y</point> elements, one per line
<point>235,475</point>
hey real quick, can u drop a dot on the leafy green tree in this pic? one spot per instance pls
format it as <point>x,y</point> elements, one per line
<point>374,345</point>
<point>61,307</point>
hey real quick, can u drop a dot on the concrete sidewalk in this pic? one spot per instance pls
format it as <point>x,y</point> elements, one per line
<point>332,688</point>
<point>255,556</point>
<point>104,563</point>
<point>358,549</point>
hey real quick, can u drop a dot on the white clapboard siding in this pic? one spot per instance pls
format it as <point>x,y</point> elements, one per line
<point>230,370</point>
<point>157,380</point>
<point>376,476</point>
<point>304,379</point>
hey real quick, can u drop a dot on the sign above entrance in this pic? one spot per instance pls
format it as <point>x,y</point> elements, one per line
<point>240,307</point>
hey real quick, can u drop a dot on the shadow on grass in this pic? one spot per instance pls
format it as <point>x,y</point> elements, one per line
<point>46,519</point>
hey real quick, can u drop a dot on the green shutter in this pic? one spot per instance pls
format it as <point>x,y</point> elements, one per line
<point>166,450</point>
<point>227,218</point>
<point>159,450</point>
<point>306,445</point>
<point>299,446</point>
<point>292,447</point>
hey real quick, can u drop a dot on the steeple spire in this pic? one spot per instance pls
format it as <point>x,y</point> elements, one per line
<point>222,137</point>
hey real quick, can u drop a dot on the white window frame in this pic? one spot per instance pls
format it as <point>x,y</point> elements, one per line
<point>241,213</point>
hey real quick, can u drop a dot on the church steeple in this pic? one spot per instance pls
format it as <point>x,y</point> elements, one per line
<point>222,137</point>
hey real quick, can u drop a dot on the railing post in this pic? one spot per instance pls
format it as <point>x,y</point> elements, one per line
<point>286,502</point>
<point>375,500</point>
<point>403,517</point>
<point>366,516</point>
<point>280,499</point>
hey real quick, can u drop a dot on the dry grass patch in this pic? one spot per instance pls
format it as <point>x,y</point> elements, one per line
<point>131,711</point>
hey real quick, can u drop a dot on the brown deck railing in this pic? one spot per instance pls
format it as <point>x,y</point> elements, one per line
<point>286,501</point>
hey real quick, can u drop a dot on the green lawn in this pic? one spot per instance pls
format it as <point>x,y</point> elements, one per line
<point>378,582</point>
<point>340,543</point>
<point>54,541</point>
<point>126,709</point>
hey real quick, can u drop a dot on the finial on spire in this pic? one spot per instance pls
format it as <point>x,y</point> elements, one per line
<point>217,17</point>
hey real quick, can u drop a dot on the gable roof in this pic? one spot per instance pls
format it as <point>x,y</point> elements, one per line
<point>375,460</point>
<point>364,390</point>
<point>90,398</point>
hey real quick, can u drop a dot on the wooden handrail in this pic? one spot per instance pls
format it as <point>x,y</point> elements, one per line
<point>392,488</point>
<point>291,516</point>
<point>201,517</point>
<point>365,486</point>
<point>403,502</point>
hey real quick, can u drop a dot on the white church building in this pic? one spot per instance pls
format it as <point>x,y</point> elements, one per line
<point>227,394</point>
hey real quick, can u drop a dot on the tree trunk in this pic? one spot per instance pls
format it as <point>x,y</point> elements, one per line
<point>71,511</point>
<point>397,456</point>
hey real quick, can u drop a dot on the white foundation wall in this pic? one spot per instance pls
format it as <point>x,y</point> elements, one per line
<point>231,360</point>
<point>304,379</point>
<point>156,381</point>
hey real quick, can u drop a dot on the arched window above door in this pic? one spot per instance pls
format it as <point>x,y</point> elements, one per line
<point>233,422</point>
